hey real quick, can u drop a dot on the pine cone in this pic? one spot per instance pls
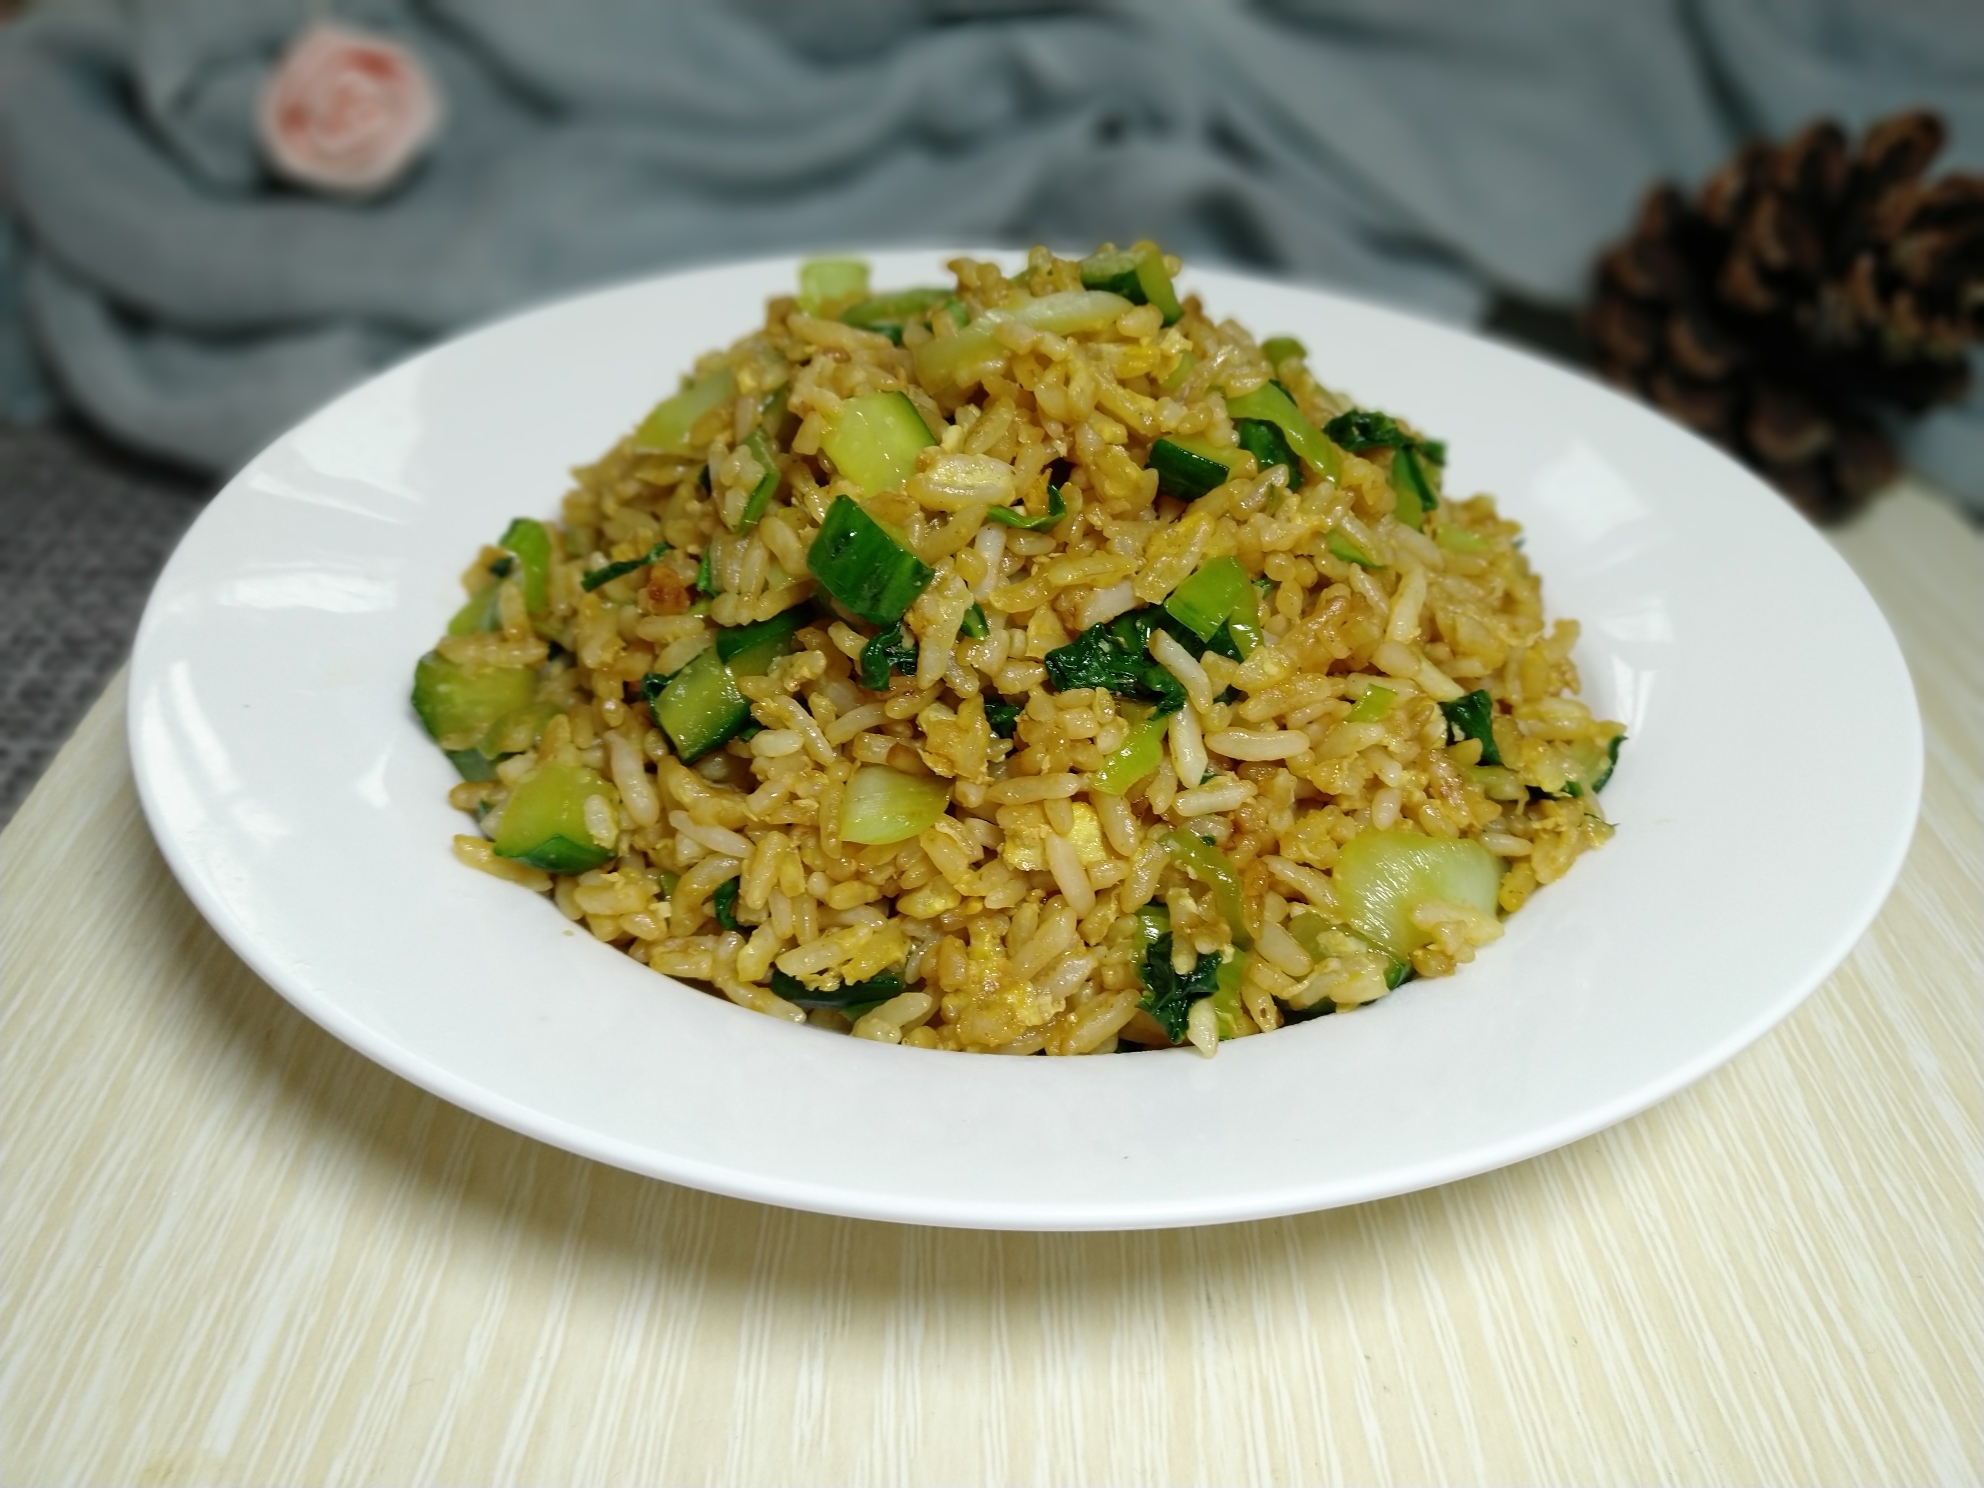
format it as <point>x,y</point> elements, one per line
<point>1807,292</point>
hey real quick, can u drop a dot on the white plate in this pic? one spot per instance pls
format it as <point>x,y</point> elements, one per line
<point>1765,799</point>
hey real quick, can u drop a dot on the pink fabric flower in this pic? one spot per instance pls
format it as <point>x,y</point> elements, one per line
<point>347,112</point>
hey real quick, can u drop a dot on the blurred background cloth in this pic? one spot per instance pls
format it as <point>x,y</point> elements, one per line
<point>1441,154</point>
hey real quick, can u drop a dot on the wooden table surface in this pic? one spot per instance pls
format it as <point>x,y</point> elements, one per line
<point>234,1251</point>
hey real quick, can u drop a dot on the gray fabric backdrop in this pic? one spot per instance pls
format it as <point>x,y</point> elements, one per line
<point>1429,152</point>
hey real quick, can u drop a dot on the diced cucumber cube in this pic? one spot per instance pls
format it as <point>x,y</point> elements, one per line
<point>544,824</point>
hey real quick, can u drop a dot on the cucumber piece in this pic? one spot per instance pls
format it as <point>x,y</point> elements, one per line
<point>544,823</point>
<point>825,284</point>
<point>1175,378</point>
<point>1138,755</point>
<point>1340,544</point>
<point>1188,468</point>
<point>962,359</point>
<point>670,429</point>
<point>1138,275</point>
<point>750,650</point>
<point>887,314</point>
<point>865,566</point>
<point>1278,349</point>
<point>1270,403</point>
<point>701,708</point>
<point>457,706</point>
<point>1374,705</point>
<point>1459,539</point>
<point>873,440</point>
<point>880,805</point>
<point>482,612</point>
<point>767,486</point>
<point>1218,593</point>
<point>530,540</point>
<point>517,730</point>
<point>1472,716</point>
<point>1268,445</point>
<point>472,764</point>
<point>1384,876</point>
<point>1592,764</point>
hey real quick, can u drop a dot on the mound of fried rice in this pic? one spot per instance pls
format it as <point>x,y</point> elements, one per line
<point>1011,922</point>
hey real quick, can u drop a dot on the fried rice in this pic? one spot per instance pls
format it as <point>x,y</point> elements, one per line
<point>1026,664</point>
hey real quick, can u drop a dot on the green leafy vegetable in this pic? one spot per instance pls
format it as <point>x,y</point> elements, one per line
<point>706,573</point>
<point>1012,516</point>
<point>723,903</point>
<point>1272,403</point>
<point>891,650</point>
<point>1188,468</point>
<point>847,997</point>
<point>1278,349</point>
<point>1217,593</point>
<point>974,624</point>
<point>1168,997</point>
<point>1364,429</point>
<point>1268,445</point>
<point>1472,716</point>
<point>1115,654</point>
<point>767,486</point>
<point>863,565</point>
<point>621,569</point>
<point>1340,543</point>
<point>1004,718</point>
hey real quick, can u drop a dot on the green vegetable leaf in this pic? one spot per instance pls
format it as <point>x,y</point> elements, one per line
<point>1278,349</point>
<point>1471,716</point>
<point>706,573</point>
<point>974,624</point>
<point>1116,655</point>
<point>621,569</point>
<point>1004,718</point>
<point>892,650</point>
<point>848,997</point>
<point>1012,516</point>
<point>1268,445</point>
<point>1364,428</point>
<point>724,903</point>
<point>1168,997</point>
